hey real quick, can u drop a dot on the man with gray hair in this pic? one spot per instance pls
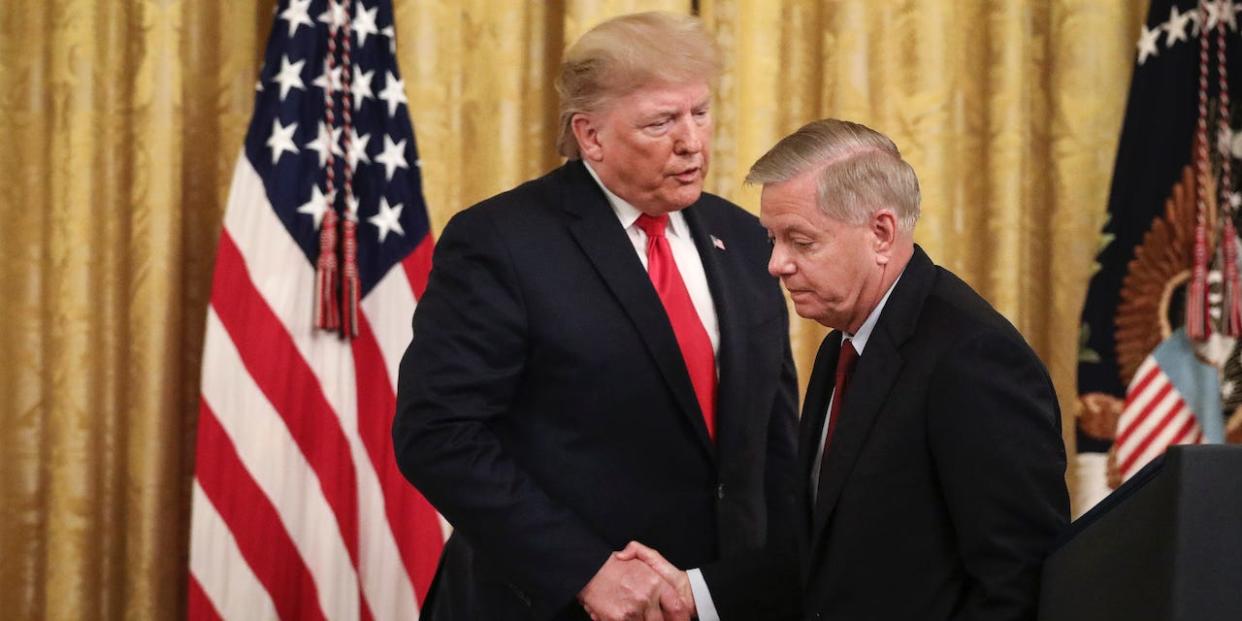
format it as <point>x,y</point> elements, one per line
<point>600,360</point>
<point>931,466</point>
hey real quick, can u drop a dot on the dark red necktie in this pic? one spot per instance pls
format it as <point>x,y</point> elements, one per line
<point>696,347</point>
<point>845,368</point>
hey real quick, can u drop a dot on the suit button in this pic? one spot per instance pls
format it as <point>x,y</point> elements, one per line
<point>720,491</point>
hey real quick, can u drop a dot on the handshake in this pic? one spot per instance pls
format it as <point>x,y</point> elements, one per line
<point>638,584</point>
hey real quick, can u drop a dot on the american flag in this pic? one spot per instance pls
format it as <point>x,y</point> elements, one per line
<point>1156,416</point>
<point>299,511</point>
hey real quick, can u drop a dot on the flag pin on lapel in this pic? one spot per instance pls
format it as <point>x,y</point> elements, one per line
<point>716,242</point>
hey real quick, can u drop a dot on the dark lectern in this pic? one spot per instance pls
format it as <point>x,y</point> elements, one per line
<point>1165,546</point>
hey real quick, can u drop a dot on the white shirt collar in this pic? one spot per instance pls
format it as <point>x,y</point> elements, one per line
<point>859,339</point>
<point>628,213</point>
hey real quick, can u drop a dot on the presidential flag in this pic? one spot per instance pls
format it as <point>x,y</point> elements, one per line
<point>1164,307</point>
<point>299,511</point>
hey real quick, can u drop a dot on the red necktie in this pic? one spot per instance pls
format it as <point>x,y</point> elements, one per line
<point>696,347</point>
<point>845,368</point>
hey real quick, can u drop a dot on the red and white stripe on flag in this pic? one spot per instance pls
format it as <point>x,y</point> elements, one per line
<point>299,511</point>
<point>1155,417</point>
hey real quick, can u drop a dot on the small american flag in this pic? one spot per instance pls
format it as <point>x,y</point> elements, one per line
<point>1156,416</point>
<point>299,511</point>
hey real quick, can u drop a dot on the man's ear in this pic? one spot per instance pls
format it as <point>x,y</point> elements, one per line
<point>587,134</point>
<point>884,232</point>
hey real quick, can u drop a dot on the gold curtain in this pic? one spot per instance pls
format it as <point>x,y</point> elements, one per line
<point>1009,111</point>
<point>121,123</point>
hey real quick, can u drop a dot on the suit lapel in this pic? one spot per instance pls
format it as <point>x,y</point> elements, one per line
<point>811,423</point>
<point>868,389</point>
<point>815,409</point>
<point>606,245</point>
<point>722,276</point>
<point>871,384</point>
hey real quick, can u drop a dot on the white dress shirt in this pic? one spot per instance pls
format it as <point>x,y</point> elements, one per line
<point>859,340</point>
<point>685,253</point>
<point>690,265</point>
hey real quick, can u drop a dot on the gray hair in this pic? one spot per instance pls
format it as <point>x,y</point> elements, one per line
<point>625,53</point>
<point>860,171</point>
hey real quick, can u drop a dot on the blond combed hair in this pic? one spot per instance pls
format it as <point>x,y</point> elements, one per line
<point>625,53</point>
<point>860,171</point>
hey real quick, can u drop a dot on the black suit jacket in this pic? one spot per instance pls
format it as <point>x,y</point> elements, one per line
<point>944,484</point>
<point>545,410</point>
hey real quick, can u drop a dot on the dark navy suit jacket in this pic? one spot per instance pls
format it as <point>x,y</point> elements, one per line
<point>944,485</point>
<point>545,410</point>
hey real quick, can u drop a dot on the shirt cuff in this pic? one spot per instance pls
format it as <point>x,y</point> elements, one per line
<point>702,597</point>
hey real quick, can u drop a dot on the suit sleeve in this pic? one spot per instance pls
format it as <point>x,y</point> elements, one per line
<point>458,377</point>
<point>763,585</point>
<point>994,433</point>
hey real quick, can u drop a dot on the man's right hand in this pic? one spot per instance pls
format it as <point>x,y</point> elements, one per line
<point>631,591</point>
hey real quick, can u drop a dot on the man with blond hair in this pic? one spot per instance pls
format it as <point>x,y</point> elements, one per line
<point>930,458</point>
<point>601,358</point>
